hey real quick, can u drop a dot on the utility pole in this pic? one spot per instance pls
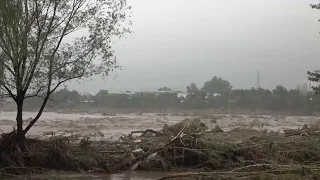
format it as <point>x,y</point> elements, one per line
<point>258,80</point>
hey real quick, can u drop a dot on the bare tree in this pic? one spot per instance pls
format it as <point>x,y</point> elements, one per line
<point>36,56</point>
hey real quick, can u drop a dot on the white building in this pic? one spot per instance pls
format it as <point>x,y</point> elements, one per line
<point>306,86</point>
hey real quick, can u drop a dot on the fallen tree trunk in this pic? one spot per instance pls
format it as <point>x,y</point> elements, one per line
<point>143,133</point>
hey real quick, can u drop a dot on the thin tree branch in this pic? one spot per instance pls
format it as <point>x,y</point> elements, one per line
<point>38,52</point>
<point>37,92</point>
<point>8,91</point>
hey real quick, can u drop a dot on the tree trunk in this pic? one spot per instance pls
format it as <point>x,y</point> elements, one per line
<point>21,139</point>
<point>38,115</point>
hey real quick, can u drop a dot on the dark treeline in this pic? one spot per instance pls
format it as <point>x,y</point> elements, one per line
<point>216,93</point>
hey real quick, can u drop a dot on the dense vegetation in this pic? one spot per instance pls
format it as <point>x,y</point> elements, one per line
<point>216,93</point>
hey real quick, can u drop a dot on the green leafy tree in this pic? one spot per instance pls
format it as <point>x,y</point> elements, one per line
<point>216,85</point>
<point>166,100</point>
<point>74,96</point>
<point>164,89</point>
<point>101,97</point>
<point>295,100</point>
<point>60,95</point>
<point>280,91</point>
<point>240,97</point>
<point>36,56</point>
<point>62,98</point>
<point>314,77</point>
<point>192,88</point>
<point>279,98</point>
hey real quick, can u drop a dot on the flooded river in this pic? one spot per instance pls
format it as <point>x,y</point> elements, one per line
<point>106,127</point>
<point>87,124</point>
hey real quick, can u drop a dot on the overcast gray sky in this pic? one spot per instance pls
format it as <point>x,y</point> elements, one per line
<point>176,42</point>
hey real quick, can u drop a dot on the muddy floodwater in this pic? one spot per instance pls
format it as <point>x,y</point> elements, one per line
<point>94,125</point>
<point>112,127</point>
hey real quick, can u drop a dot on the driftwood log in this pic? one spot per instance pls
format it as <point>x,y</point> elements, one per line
<point>304,131</point>
<point>143,133</point>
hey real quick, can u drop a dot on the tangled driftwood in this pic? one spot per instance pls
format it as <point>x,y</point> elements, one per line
<point>194,126</point>
<point>128,163</point>
<point>304,131</point>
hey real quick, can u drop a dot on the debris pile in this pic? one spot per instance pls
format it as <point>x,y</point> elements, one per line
<point>193,126</point>
<point>312,130</point>
<point>185,146</point>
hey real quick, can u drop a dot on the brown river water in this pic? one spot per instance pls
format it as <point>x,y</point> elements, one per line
<point>114,126</point>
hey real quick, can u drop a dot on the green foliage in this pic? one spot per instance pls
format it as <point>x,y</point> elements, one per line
<point>277,100</point>
<point>164,89</point>
<point>101,96</point>
<point>66,95</point>
<point>192,88</point>
<point>216,85</point>
<point>315,77</point>
<point>315,6</point>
